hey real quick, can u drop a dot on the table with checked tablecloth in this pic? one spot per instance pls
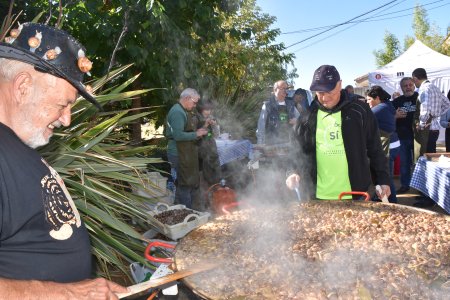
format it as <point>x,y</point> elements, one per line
<point>230,150</point>
<point>433,179</point>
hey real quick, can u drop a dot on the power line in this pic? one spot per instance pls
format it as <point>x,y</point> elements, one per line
<point>399,16</point>
<point>366,20</point>
<point>344,23</point>
<point>327,37</point>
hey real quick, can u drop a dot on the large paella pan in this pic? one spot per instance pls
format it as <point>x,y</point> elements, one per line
<point>321,250</point>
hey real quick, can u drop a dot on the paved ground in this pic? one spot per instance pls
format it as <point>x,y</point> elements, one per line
<point>411,197</point>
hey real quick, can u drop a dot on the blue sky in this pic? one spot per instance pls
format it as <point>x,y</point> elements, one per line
<point>349,47</point>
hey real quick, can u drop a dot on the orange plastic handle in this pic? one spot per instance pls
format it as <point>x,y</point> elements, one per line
<point>355,193</point>
<point>229,205</point>
<point>158,259</point>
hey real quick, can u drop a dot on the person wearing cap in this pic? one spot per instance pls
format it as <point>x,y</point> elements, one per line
<point>277,116</point>
<point>45,252</point>
<point>182,149</point>
<point>338,144</point>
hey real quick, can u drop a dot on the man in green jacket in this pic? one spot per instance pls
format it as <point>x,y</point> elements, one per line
<point>182,151</point>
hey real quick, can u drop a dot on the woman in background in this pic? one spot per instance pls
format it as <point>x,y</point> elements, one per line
<point>208,157</point>
<point>384,111</point>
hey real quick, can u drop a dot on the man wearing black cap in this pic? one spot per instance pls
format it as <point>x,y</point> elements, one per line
<point>45,251</point>
<point>339,144</point>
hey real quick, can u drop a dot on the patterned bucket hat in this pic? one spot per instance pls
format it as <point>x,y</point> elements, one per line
<point>52,51</point>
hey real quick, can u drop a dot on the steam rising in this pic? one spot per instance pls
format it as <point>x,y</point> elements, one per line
<point>322,250</point>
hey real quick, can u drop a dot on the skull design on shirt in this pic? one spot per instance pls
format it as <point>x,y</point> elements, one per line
<point>60,210</point>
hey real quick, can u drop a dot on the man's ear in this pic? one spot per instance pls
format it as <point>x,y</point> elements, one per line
<point>22,85</point>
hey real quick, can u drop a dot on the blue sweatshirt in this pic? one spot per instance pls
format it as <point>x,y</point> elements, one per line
<point>445,119</point>
<point>385,115</point>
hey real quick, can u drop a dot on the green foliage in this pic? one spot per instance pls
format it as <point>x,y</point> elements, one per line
<point>409,40</point>
<point>425,32</point>
<point>223,48</point>
<point>98,167</point>
<point>420,24</point>
<point>246,60</point>
<point>390,52</point>
<point>428,34</point>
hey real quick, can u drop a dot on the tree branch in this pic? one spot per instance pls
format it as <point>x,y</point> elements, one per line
<point>49,12</point>
<point>58,22</point>
<point>121,36</point>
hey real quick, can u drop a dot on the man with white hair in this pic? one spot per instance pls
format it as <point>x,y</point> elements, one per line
<point>405,109</point>
<point>45,251</point>
<point>277,116</point>
<point>182,149</point>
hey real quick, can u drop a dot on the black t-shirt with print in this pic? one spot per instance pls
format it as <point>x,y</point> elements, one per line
<point>41,234</point>
<point>405,125</point>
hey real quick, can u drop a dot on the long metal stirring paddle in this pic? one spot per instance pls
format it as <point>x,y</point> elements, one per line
<point>298,193</point>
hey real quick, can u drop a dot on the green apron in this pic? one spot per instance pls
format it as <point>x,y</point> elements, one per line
<point>420,136</point>
<point>188,171</point>
<point>208,156</point>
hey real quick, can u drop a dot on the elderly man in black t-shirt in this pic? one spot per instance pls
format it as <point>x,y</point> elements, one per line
<point>45,251</point>
<point>405,106</point>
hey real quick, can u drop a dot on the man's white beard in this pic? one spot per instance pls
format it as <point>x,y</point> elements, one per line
<point>38,139</point>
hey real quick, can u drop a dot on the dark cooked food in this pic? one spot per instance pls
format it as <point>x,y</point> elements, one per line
<point>174,216</point>
<point>321,250</point>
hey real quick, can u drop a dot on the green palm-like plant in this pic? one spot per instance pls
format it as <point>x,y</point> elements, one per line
<point>98,166</point>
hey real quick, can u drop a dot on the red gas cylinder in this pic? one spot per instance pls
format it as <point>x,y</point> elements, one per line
<point>221,195</point>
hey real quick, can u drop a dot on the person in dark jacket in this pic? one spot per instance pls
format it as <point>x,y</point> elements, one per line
<point>384,111</point>
<point>207,152</point>
<point>301,100</point>
<point>338,144</point>
<point>351,94</point>
<point>278,115</point>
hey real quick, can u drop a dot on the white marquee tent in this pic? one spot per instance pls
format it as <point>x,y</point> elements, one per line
<point>418,55</point>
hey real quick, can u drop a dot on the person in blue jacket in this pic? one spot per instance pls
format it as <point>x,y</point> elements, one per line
<point>384,111</point>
